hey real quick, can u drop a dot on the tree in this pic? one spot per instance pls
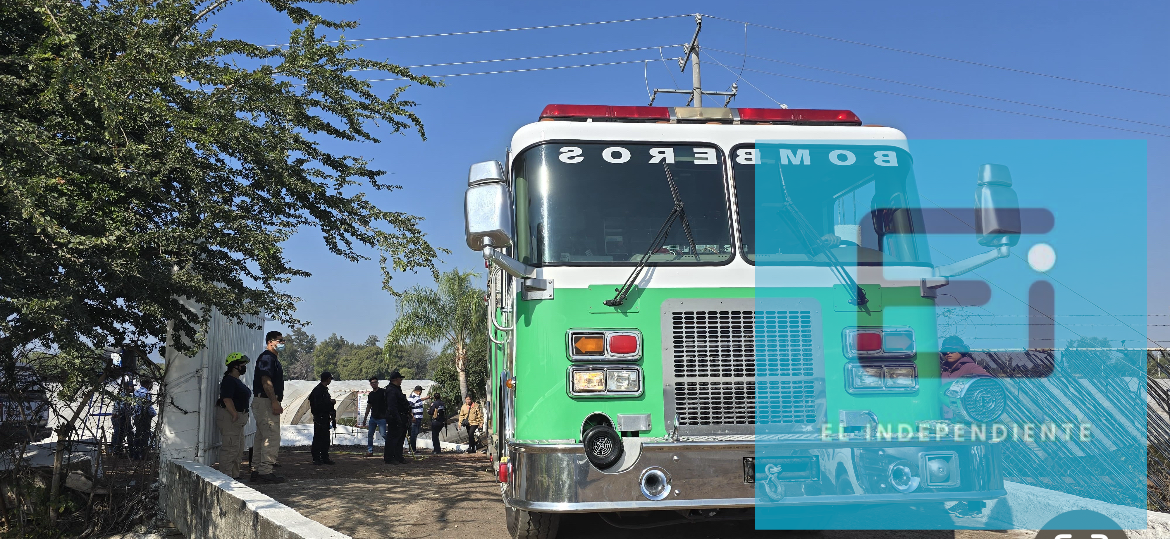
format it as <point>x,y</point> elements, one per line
<point>298,354</point>
<point>442,368</point>
<point>415,357</point>
<point>144,160</point>
<point>453,314</point>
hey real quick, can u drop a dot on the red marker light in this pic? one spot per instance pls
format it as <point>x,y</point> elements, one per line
<point>800,116</point>
<point>603,112</point>
<point>623,344</point>
<point>868,342</point>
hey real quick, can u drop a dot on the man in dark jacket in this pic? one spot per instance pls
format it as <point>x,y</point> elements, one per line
<point>438,415</point>
<point>397,420</point>
<point>321,405</point>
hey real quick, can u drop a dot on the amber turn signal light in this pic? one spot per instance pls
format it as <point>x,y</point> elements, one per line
<point>589,345</point>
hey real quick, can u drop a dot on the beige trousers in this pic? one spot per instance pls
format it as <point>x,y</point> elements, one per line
<point>267,442</point>
<point>231,436</point>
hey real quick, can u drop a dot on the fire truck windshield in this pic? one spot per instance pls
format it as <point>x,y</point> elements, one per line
<point>797,201</point>
<point>581,204</point>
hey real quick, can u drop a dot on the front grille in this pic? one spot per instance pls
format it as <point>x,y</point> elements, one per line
<point>729,366</point>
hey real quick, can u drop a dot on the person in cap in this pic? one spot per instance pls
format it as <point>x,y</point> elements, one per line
<point>321,406</point>
<point>397,420</point>
<point>956,361</point>
<point>231,414</point>
<point>417,407</point>
<point>438,415</point>
<point>375,416</point>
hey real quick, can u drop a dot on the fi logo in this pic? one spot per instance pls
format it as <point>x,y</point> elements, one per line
<point>1081,525</point>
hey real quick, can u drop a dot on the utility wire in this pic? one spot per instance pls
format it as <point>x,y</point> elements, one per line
<point>938,57</point>
<point>523,70</point>
<point>472,32</point>
<point>980,107</point>
<point>938,89</point>
<point>669,71</point>
<point>565,55</point>
<point>740,77</point>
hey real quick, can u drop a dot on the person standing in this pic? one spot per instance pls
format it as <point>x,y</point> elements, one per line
<point>122,417</point>
<point>471,418</point>
<point>267,392</point>
<point>417,410</point>
<point>375,414</point>
<point>438,415</point>
<point>321,406</point>
<point>956,361</point>
<point>397,420</point>
<point>143,416</point>
<point>232,414</point>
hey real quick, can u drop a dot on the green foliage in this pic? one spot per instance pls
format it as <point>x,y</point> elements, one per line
<point>414,357</point>
<point>452,314</point>
<point>144,159</point>
<point>298,354</point>
<point>446,378</point>
<point>348,360</point>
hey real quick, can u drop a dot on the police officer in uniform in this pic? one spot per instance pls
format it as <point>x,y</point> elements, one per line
<point>397,420</point>
<point>321,405</point>
<point>268,391</point>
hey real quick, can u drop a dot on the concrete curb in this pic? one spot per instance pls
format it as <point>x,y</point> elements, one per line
<point>204,503</point>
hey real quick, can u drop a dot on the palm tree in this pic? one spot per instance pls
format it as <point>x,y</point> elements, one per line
<point>450,315</point>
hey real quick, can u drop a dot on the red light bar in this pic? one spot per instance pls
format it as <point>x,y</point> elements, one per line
<point>623,344</point>
<point>868,342</point>
<point>800,116</point>
<point>604,112</point>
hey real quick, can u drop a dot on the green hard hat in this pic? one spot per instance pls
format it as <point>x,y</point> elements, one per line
<point>234,357</point>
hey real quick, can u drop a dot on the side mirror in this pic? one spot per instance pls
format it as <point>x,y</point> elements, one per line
<point>487,207</point>
<point>997,209</point>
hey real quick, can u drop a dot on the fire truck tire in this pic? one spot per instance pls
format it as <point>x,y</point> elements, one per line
<point>529,525</point>
<point>603,446</point>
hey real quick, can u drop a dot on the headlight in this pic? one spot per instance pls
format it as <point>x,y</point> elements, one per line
<point>625,380</point>
<point>901,377</point>
<point>884,378</point>
<point>617,381</point>
<point>867,377</point>
<point>588,381</point>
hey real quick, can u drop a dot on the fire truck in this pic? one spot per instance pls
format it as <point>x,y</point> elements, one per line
<point>708,310</point>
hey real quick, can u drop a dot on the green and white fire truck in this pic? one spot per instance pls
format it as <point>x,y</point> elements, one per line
<point>667,336</point>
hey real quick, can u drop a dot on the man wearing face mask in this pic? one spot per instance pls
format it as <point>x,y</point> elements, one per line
<point>268,391</point>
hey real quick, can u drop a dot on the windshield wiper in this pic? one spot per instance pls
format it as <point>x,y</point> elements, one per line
<point>677,212</point>
<point>815,245</point>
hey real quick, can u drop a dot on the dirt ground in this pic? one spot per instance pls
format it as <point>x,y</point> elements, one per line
<point>456,496</point>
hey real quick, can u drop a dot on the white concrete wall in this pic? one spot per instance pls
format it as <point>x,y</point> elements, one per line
<point>187,428</point>
<point>205,504</point>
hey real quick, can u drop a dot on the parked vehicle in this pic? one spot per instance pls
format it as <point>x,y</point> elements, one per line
<point>714,308</point>
<point>24,407</point>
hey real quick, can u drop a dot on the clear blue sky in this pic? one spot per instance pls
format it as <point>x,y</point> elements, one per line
<point>472,118</point>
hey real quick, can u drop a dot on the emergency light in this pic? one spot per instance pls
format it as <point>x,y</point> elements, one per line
<point>606,113</point>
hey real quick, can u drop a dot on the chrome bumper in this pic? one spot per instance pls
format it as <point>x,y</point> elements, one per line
<point>559,478</point>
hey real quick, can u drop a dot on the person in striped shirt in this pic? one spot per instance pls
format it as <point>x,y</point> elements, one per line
<point>416,410</point>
